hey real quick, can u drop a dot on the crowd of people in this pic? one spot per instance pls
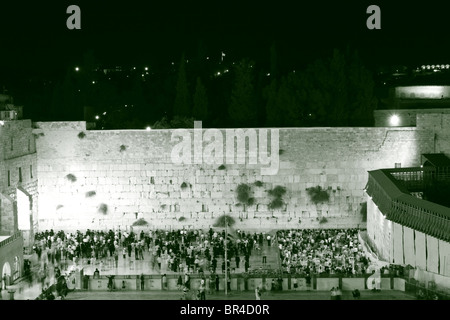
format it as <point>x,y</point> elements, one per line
<point>322,251</point>
<point>301,251</point>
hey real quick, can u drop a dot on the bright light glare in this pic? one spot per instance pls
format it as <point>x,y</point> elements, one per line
<point>97,117</point>
<point>77,69</point>
<point>394,120</point>
<point>148,128</point>
<point>146,68</point>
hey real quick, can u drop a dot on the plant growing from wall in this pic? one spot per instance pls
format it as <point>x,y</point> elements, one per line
<point>363,211</point>
<point>181,219</point>
<point>59,206</point>
<point>71,177</point>
<point>90,194</point>
<point>223,220</point>
<point>258,183</point>
<point>123,148</point>
<point>280,152</point>
<point>140,222</point>
<point>323,220</point>
<point>184,185</point>
<point>318,195</point>
<point>243,192</point>
<point>277,194</point>
<point>103,208</point>
<point>81,135</point>
<point>222,167</point>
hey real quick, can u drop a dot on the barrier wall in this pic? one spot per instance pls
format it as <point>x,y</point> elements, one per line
<point>154,282</point>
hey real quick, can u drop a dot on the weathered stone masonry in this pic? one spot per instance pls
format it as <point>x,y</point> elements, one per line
<point>131,172</point>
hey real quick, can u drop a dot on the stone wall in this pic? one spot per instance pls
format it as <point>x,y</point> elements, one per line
<point>18,168</point>
<point>132,174</point>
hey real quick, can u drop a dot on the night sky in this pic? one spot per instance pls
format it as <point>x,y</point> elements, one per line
<point>38,48</point>
<point>35,37</point>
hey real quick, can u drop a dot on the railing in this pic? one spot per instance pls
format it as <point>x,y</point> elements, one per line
<point>407,210</point>
<point>414,179</point>
<point>10,239</point>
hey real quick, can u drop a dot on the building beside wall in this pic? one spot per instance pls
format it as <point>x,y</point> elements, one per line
<point>408,216</point>
<point>18,194</point>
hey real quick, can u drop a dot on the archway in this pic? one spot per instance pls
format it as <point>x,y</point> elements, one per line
<point>6,274</point>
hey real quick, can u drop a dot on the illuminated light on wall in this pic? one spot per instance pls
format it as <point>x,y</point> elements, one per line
<point>428,67</point>
<point>97,117</point>
<point>422,92</point>
<point>148,128</point>
<point>2,122</point>
<point>77,69</point>
<point>146,68</point>
<point>394,120</point>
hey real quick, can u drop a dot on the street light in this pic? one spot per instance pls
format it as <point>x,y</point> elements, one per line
<point>394,120</point>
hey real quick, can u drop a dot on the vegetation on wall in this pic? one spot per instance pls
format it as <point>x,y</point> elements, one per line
<point>123,148</point>
<point>184,185</point>
<point>323,220</point>
<point>221,167</point>
<point>71,177</point>
<point>277,194</point>
<point>180,219</point>
<point>90,194</point>
<point>103,208</point>
<point>318,195</point>
<point>223,220</point>
<point>258,183</point>
<point>243,192</point>
<point>81,135</point>
<point>140,222</point>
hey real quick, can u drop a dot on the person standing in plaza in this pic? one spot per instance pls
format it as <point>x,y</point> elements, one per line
<point>257,293</point>
<point>264,256</point>
<point>202,289</point>
<point>238,260</point>
<point>217,283</point>
<point>212,279</point>
<point>4,281</point>
<point>142,281</point>
<point>164,282</point>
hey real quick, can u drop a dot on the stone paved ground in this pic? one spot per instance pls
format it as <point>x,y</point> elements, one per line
<point>241,295</point>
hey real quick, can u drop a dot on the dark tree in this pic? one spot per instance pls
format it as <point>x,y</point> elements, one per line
<point>182,105</point>
<point>242,108</point>
<point>338,91</point>
<point>200,110</point>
